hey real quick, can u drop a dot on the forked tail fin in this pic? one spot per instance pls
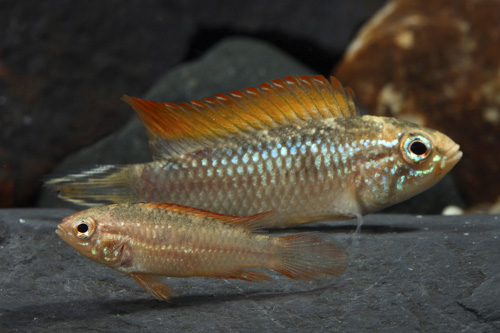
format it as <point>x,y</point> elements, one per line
<point>308,257</point>
<point>100,185</point>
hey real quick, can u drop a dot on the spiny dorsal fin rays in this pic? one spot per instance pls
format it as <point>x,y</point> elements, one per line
<point>311,88</point>
<point>351,98</point>
<point>304,97</point>
<point>342,98</point>
<point>193,211</point>
<point>181,128</point>
<point>244,119</point>
<point>257,100</point>
<point>284,100</point>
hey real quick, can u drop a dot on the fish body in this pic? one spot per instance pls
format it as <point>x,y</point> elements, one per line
<point>152,240</point>
<point>312,160</point>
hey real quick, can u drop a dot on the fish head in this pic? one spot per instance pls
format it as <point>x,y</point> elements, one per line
<point>94,234</point>
<point>412,159</point>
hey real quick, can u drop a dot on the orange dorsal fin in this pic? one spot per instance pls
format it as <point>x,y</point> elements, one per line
<point>174,129</point>
<point>253,222</point>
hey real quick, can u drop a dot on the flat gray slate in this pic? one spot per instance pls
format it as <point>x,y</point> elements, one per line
<point>406,273</point>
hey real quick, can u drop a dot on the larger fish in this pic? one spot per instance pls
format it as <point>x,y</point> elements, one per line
<point>297,146</point>
<point>152,240</point>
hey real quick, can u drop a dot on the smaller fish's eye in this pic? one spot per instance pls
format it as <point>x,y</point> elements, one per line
<point>416,149</point>
<point>84,228</point>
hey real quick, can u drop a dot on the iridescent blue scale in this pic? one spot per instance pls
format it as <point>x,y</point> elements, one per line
<point>321,170</point>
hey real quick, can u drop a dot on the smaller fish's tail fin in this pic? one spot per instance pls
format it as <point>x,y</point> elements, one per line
<point>100,185</point>
<point>308,257</point>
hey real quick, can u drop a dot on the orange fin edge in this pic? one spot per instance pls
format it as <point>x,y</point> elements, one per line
<point>280,102</point>
<point>252,222</point>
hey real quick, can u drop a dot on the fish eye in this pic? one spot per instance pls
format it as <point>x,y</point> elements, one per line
<point>416,149</point>
<point>84,228</point>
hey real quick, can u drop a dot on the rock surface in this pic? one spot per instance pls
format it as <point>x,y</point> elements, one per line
<point>232,64</point>
<point>438,64</point>
<point>406,273</point>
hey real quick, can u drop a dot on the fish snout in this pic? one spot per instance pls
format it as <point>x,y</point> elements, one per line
<point>59,231</point>
<point>453,155</point>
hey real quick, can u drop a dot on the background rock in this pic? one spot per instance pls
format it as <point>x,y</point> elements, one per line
<point>436,63</point>
<point>406,274</point>
<point>65,64</point>
<point>232,64</point>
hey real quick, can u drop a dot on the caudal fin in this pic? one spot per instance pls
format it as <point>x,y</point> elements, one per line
<point>308,257</point>
<point>100,185</point>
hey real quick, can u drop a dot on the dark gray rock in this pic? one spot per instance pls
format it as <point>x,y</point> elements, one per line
<point>483,302</point>
<point>232,64</point>
<point>406,273</point>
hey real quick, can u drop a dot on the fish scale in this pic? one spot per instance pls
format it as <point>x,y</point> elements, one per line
<point>297,147</point>
<point>273,176</point>
<point>152,240</point>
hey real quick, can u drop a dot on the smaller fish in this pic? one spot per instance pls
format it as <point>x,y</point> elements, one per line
<point>149,240</point>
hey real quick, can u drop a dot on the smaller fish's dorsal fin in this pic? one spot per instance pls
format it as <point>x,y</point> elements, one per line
<point>174,129</point>
<point>253,222</point>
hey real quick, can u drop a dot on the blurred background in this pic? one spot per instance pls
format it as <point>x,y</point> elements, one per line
<point>65,64</point>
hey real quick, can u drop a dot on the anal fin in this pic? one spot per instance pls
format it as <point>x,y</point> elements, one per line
<point>153,285</point>
<point>245,275</point>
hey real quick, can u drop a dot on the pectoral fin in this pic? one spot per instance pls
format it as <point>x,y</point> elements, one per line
<point>154,285</point>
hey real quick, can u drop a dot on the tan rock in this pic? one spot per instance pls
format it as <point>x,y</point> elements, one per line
<point>436,63</point>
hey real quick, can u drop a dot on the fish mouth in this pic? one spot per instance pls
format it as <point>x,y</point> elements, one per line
<point>453,155</point>
<point>59,231</point>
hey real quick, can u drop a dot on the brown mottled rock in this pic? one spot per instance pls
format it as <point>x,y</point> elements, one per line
<point>437,63</point>
<point>486,208</point>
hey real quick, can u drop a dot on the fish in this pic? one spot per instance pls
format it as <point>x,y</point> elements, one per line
<point>149,240</point>
<point>296,146</point>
